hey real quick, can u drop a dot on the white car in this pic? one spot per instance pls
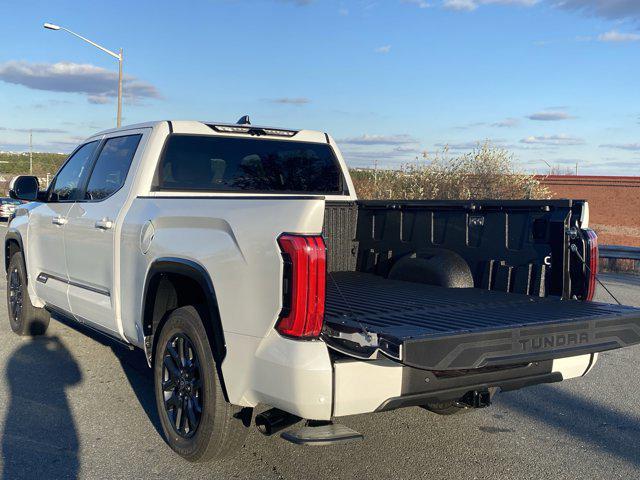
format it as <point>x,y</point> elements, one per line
<point>240,260</point>
<point>8,208</point>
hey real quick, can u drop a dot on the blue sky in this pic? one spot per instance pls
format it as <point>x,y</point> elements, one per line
<point>551,80</point>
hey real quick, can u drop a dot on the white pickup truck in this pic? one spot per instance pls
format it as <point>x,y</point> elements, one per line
<point>240,260</point>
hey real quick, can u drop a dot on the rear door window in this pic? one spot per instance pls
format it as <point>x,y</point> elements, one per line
<point>112,167</point>
<point>226,164</point>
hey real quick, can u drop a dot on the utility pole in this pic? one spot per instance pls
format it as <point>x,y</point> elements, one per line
<point>30,152</point>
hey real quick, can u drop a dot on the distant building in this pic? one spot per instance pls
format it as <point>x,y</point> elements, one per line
<point>614,204</point>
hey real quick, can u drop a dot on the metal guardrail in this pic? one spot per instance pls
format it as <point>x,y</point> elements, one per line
<point>617,251</point>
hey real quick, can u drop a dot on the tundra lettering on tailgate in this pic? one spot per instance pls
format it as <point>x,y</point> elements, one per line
<point>544,342</point>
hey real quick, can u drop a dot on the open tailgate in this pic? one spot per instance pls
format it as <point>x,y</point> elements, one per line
<point>437,328</point>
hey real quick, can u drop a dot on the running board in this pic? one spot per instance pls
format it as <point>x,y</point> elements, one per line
<point>85,327</point>
<point>325,433</point>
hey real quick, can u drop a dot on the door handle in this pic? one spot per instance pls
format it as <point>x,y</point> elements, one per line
<point>104,224</point>
<point>58,220</point>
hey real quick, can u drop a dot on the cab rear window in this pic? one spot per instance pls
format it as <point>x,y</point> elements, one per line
<point>227,164</point>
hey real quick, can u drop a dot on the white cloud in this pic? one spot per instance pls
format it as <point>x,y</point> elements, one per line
<point>61,145</point>
<point>469,126</point>
<point>34,130</point>
<point>555,140</point>
<point>549,116</point>
<point>384,49</point>
<point>383,150</point>
<point>523,3</point>
<point>417,3</point>
<point>507,123</point>
<point>99,84</point>
<point>615,36</point>
<point>300,3</point>
<point>632,147</point>
<point>466,5</point>
<point>290,101</point>
<point>98,99</point>
<point>610,9</point>
<point>406,149</point>
<point>460,145</point>
<point>565,161</point>
<point>469,5</point>
<point>366,139</point>
<point>471,145</point>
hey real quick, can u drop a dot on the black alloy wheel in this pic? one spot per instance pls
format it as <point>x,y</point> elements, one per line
<point>182,385</point>
<point>197,420</point>
<point>15,295</point>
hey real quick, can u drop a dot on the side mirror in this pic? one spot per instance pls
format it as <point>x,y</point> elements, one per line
<point>24,187</point>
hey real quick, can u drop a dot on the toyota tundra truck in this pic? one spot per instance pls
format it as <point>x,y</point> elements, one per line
<point>239,259</point>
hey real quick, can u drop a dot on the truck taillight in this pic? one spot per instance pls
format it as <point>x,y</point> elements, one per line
<point>591,259</point>
<point>304,284</point>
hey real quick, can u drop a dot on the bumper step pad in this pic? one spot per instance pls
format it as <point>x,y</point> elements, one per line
<point>325,433</point>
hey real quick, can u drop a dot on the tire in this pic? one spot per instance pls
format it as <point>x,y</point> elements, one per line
<point>197,421</point>
<point>24,318</point>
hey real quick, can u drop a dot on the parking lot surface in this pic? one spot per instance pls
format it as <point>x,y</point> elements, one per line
<point>78,407</point>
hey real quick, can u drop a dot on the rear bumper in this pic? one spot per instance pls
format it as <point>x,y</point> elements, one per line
<point>294,376</point>
<point>362,387</point>
<point>302,379</point>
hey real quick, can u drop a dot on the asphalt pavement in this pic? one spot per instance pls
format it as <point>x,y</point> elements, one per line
<point>77,407</point>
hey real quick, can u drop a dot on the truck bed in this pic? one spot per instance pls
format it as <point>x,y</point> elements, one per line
<point>439,328</point>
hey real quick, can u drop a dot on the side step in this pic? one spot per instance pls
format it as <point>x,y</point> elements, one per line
<point>321,433</point>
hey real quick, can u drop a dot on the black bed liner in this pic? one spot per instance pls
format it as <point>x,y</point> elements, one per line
<point>439,328</point>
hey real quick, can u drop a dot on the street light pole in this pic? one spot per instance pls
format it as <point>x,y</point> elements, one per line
<point>117,56</point>
<point>119,117</point>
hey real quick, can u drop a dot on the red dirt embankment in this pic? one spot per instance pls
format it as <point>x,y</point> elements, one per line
<point>614,204</point>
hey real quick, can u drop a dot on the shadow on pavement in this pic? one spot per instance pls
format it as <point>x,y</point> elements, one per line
<point>140,377</point>
<point>134,365</point>
<point>40,438</point>
<point>610,431</point>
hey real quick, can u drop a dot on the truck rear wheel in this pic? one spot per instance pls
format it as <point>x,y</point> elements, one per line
<point>24,318</point>
<point>198,423</point>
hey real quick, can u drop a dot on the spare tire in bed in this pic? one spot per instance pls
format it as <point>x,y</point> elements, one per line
<point>437,266</point>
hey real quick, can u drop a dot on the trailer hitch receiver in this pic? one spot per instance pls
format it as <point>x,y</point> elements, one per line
<point>476,399</point>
